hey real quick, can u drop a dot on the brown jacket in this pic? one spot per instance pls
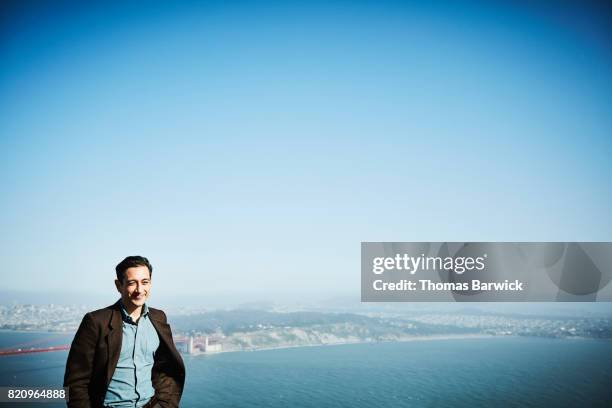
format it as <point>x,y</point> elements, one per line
<point>95,351</point>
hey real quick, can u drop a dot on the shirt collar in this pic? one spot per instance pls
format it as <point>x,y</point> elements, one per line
<point>127,318</point>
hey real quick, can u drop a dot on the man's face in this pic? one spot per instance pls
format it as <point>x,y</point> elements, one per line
<point>135,286</point>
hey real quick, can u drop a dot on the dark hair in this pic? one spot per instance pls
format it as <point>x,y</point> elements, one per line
<point>130,262</point>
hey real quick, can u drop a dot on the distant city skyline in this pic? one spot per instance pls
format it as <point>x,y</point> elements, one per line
<point>250,147</point>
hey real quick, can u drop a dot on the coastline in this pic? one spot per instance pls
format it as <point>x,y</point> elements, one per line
<point>404,340</point>
<point>477,336</point>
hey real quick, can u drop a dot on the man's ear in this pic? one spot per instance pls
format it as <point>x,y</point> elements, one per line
<point>118,285</point>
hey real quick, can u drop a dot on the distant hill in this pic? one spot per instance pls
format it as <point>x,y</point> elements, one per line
<point>231,321</point>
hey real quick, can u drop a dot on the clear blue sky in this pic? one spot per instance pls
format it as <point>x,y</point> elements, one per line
<point>251,147</point>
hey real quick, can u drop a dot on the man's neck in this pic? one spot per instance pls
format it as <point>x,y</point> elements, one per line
<point>133,311</point>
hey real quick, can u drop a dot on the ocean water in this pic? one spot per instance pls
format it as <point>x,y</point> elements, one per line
<point>509,371</point>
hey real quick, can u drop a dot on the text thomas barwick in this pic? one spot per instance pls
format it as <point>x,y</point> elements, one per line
<point>428,285</point>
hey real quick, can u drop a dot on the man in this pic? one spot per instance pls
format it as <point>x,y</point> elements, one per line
<point>124,355</point>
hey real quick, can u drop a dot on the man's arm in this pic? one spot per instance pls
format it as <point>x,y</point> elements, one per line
<point>80,364</point>
<point>168,390</point>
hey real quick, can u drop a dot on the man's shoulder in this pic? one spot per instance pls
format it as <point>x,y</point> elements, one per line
<point>101,315</point>
<point>158,314</point>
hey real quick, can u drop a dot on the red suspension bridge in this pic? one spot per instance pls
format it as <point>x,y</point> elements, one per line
<point>24,349</point>
<point>11,352</point>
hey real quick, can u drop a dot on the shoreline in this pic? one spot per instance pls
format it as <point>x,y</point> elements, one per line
<point>405,340</point>
<point>477,336</point>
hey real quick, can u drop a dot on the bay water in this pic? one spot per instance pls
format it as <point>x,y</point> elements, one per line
<point>477,372</point>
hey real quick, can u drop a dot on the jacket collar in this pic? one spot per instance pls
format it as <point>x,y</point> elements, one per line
<point>119,314</point>
<point>115,320</point>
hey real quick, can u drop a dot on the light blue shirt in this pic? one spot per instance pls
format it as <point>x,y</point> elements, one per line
<point>131,384</point>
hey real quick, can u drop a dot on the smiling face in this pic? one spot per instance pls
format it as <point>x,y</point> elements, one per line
<point>135,287</point>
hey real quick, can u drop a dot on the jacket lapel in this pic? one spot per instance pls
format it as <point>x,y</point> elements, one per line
<point>165,334</point>
<point>114,339</point>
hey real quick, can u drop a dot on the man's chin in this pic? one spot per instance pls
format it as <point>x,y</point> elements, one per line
<point>138,302</point>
